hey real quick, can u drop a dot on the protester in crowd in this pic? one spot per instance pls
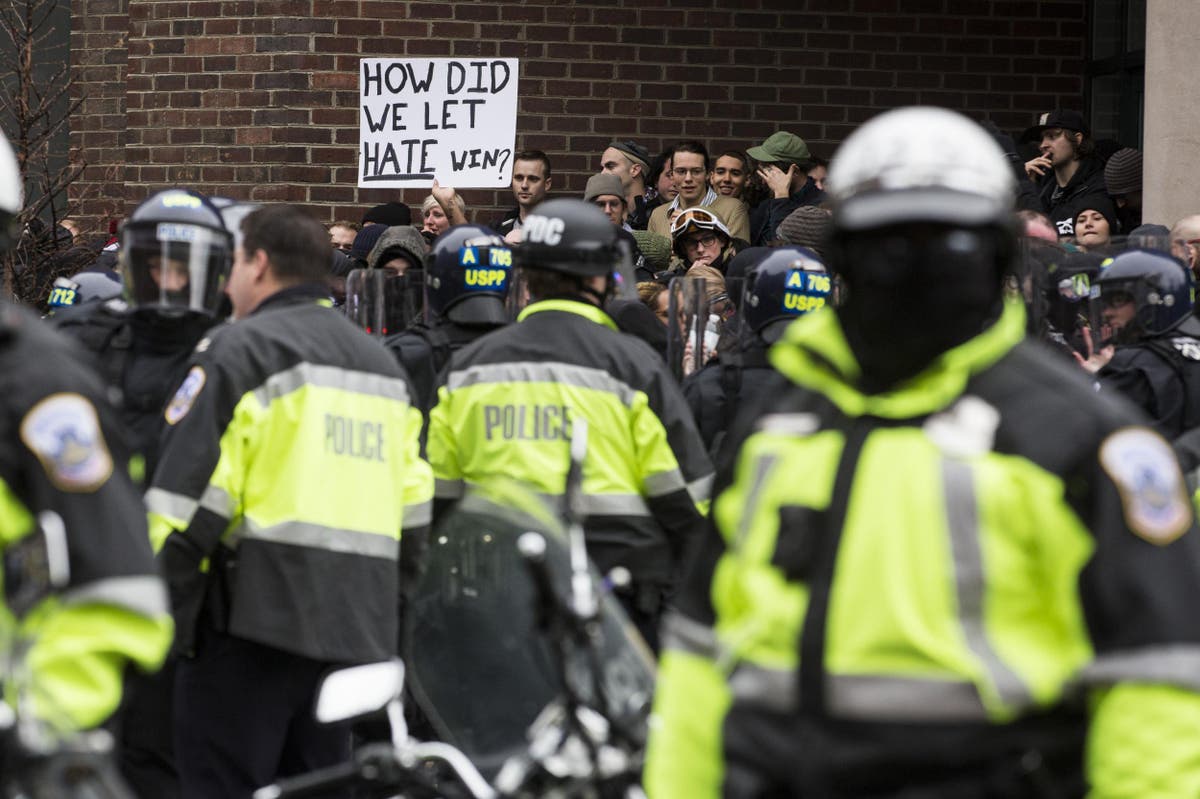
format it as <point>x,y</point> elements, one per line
<point>1067,173</point>
<point>1123,181</point>
<point>731,174</point>
<point>341,235</point>
<point>443,208</point>
<point>653,295</point>
<point>388,214</point>
<point>531,181</point>
<point>817,171</point>
<point>1094,227</point>
<point>1185,242</point>
<point>700,238</point>
<point>782,163</point>
<point>807,226</point>
<point>661,182</point>
<point>630,162</point>
<point>690,168</point>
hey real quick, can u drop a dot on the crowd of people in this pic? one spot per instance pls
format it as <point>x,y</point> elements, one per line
<point>891,449</point>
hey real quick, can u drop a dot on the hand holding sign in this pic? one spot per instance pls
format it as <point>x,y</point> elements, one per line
<point>436,117</point>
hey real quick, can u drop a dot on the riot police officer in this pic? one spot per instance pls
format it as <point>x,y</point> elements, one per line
<point>934,544</point>
<point>788,283</point>
<point>81,597</point>
<point>1146,301</point>
<point>467,279</point>
<point>508,403</point>
<point>175,255</point>
<point>276,572</point>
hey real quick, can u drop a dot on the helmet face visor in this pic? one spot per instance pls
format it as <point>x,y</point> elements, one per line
<point>175,265</point>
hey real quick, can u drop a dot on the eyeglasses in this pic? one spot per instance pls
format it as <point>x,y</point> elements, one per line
<point>703,240</point>
<point>683,171</point>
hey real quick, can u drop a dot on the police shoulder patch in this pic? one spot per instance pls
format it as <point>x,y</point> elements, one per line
<point>185,395</point>
<point>63,431</point>
<point>1147,475</point>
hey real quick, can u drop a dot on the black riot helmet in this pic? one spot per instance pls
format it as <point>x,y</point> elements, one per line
<point>1143,294</point>
<point>569,236</point>
<point>176,252</point>
<point>468,276</point>
<point>788,283</point>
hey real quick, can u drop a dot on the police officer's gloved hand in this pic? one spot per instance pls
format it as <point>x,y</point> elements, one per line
<point>180,563</point>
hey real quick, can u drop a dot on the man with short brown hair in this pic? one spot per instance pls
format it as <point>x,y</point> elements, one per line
<point>530,182</point>
<point>690,167</point>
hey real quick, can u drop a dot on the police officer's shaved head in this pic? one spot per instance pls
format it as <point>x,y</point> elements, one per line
<point>296,244</point>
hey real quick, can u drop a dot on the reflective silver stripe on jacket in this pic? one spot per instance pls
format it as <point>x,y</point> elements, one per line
<point>663,483</point>
<point>144,595</point>
<point>962,519</point>
<point>218,501</point>
<point>1167,664</point>
<point>762,471</point>
<point>316,536</point>
<point>182,508</point>
<point>418,515</point>
<point>175,507</point>
<point>536,372</point>
<point>310,374</point>
<point>862,697</point>
<point>789,424</point>
<point>447,489</point>
<point>605,504</point>
<point>688,635</point>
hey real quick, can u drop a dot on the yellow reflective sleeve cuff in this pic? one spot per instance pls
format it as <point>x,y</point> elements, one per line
<point>79,656</point>
<point>684,756</point>
<point>441,445</point>
<point>417,476</point>
<point>1143,742</point>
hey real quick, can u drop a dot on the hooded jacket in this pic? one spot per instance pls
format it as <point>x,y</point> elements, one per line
<point>396,241</point>
<point>1079,193</point>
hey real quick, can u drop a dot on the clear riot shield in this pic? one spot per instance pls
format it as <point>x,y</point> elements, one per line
<point>693,325</point>
<point>1058,284</point>
<point>624,279</point>
<point>481,668</point>
<point>382,302</point>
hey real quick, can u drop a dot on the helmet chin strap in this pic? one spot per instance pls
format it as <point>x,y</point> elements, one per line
<point>600,297</point>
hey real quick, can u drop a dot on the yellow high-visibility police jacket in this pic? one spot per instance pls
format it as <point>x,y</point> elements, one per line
<point>291,459</point>
<point>505,410</point>
<point>929,584</point>
<point>63,482</point>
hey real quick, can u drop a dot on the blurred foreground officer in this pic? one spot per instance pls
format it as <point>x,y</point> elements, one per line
<point>508,402</point>
<point>175,256</point>
<point>59,479</point>
<point>936,547</point>
<point>289,465</point>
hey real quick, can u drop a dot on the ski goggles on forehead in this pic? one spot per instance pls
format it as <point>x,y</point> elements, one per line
<point>698,218</point>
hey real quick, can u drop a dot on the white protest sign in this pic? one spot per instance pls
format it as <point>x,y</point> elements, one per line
<point>450,118</point>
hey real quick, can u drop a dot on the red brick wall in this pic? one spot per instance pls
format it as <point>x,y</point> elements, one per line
<point>258,99</point>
